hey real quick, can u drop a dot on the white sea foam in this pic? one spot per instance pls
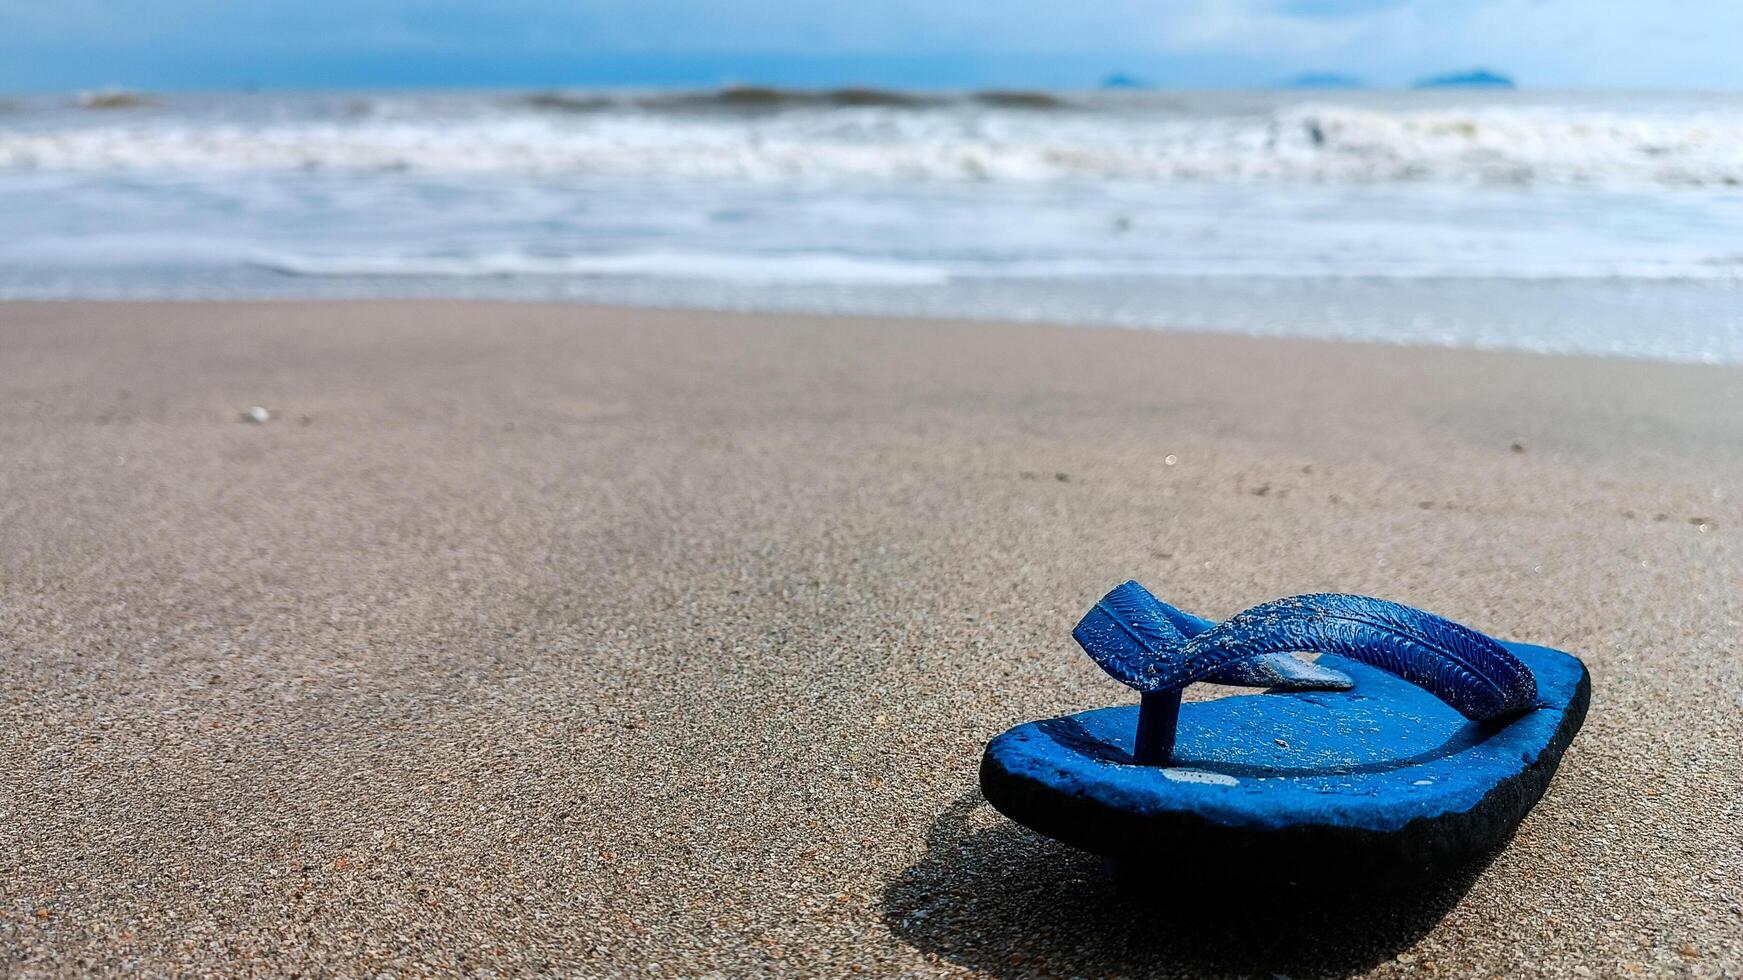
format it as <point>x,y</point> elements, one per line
<point>804,269</point>
<point>1373,141</point>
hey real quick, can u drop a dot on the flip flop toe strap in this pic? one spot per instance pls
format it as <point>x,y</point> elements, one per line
<point>1133,635</point>
<point>1139,646</point>
<point>1278,671</point>
<point>1469,671</point>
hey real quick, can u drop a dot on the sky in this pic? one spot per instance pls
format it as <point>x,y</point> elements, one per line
<point>222,44</point>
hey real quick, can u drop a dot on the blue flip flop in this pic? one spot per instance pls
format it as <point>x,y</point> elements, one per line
<point>1413,747</point>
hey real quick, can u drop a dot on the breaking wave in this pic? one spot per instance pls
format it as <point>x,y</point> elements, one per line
<point>762,98</point>
<point>751,133</point>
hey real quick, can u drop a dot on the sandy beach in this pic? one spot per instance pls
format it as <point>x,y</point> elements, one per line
<point>534,639</point>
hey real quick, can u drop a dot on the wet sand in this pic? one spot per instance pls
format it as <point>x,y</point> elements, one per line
<point>539,639</point>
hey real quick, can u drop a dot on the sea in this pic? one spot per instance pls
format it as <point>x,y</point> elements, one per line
<point>1602,224</point>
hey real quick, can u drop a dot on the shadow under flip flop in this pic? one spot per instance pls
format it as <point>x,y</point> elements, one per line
<point>1009,902</point>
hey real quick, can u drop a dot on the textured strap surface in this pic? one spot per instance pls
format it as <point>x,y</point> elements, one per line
<point>1141,646</point>
<point>1280,671</point>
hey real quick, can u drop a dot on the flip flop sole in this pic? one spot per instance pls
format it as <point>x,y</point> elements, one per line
<point>1377,785</point>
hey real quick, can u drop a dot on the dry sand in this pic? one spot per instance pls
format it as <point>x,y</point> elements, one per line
<point>563,640</point>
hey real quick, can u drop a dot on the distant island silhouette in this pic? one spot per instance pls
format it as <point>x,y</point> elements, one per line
<point>1122,80</point>
<point>1479,78</point>
<point>1324,79</point>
